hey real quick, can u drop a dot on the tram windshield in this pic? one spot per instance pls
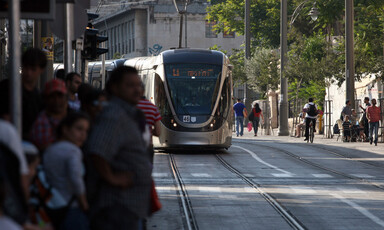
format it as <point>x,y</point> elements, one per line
<point>193,87</point>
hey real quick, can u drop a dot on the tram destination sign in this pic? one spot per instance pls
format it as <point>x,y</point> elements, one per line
<point>177,72</point>
<point>31,9</point>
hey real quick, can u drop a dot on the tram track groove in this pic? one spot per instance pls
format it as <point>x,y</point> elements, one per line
<point>185,202</point>
<point>287,216</point>
<point>299,158</point>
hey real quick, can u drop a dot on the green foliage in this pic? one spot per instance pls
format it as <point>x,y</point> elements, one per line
<point>237,60</point>
<point>265,19</point>
<point>314,62</point>
<point>262,70</point>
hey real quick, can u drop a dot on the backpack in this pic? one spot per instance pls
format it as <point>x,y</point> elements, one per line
<point>336,129</point>
<point>312,111</point>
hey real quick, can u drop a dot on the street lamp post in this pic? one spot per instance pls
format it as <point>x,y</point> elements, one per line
<point>349,54</point>
<point>283,101</point>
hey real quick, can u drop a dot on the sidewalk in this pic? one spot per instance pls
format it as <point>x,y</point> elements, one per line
<point>319,139</point>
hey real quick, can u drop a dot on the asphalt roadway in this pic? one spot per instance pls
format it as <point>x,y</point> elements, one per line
<point>272,182</point>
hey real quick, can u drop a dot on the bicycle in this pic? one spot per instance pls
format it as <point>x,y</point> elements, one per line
<point>311,132</point>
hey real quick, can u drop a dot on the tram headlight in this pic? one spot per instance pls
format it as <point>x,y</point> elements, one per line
<point>211,125</point>
<point>174,125</point>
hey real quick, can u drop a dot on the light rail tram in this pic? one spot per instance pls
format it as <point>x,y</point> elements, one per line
<point>193,90</point>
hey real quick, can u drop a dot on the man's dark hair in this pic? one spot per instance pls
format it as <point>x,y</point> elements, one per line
<point>310,99</point>
<point>346,102</point>
<point>366,98</point>
<point>117,76</point>
<point>88,94</point>
<point>34,57</point>
<point>60,74</point>
<point>238,100</point>
<point>70,76</point>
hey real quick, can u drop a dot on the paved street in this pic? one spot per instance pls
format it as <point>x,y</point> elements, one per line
<point>271,182</point>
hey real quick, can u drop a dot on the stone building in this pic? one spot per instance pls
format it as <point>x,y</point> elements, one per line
<point>150,27</point>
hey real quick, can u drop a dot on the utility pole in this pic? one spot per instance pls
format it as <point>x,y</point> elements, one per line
<point>349,54</point>
<point>181,13</point>
<point>15,54</point>
<point>69,35</point>
<point>247,40</point>
<point>283,102</point>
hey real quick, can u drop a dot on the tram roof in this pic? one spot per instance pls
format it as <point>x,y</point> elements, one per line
<point>193,56</point>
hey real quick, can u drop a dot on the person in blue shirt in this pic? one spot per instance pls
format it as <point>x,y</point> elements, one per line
<point>240,112</point>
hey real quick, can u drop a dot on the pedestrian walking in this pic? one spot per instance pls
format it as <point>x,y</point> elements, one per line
<point>364,118</point>
<point>43,132</point>
<point>72,82</point>
<point>240,112</point>
<point>33,64</point>
<point>257,113</point>
<point>64,169</point>
<point>119,155</point>
<point>373,116</point>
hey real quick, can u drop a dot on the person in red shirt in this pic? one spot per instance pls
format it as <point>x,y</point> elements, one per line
<point>152,118</point>
<point>43,131</point>
<point>373,116</point>
<point>257,112</point>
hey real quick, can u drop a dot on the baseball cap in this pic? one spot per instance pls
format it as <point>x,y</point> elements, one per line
<point>55,85</point>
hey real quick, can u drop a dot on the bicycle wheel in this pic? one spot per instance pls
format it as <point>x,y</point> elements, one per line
<point>311,134</point>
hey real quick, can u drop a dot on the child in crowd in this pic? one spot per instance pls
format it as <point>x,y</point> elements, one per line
<point>63,164</point>
<point>347,128</point>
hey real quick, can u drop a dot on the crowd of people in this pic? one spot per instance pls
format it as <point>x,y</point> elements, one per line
<point>367,127</point>
<point>85,157</point>
<point>363,128</point>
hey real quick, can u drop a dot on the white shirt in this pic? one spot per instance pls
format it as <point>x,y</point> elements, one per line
<point>306,108</point>
<point>10,137</point>
<point>8,224</point>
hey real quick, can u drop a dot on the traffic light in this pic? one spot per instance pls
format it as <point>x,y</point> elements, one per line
<point>92,40</point>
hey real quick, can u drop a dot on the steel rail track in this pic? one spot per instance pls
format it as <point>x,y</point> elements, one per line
<point>343,156</point>
<point>320,166</point>
<point>185,202</point>
<point>288,217</point>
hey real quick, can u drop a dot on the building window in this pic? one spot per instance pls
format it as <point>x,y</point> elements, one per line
<point>209,31</point>
<point>228,34</point>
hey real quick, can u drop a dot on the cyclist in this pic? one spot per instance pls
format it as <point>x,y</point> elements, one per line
<point>310,112</point>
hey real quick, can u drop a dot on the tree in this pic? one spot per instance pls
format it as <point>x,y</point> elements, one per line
<point>265,19</point>
<point>263,70</point>
<point>237,60</point>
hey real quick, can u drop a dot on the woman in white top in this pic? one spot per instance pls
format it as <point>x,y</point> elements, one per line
<point>63,165</point>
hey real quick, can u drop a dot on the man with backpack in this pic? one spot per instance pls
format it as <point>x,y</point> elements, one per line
<point>310,113</point>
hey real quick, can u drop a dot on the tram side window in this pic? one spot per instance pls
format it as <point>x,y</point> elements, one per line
<point>223,105</point>
<point>161,97</point>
